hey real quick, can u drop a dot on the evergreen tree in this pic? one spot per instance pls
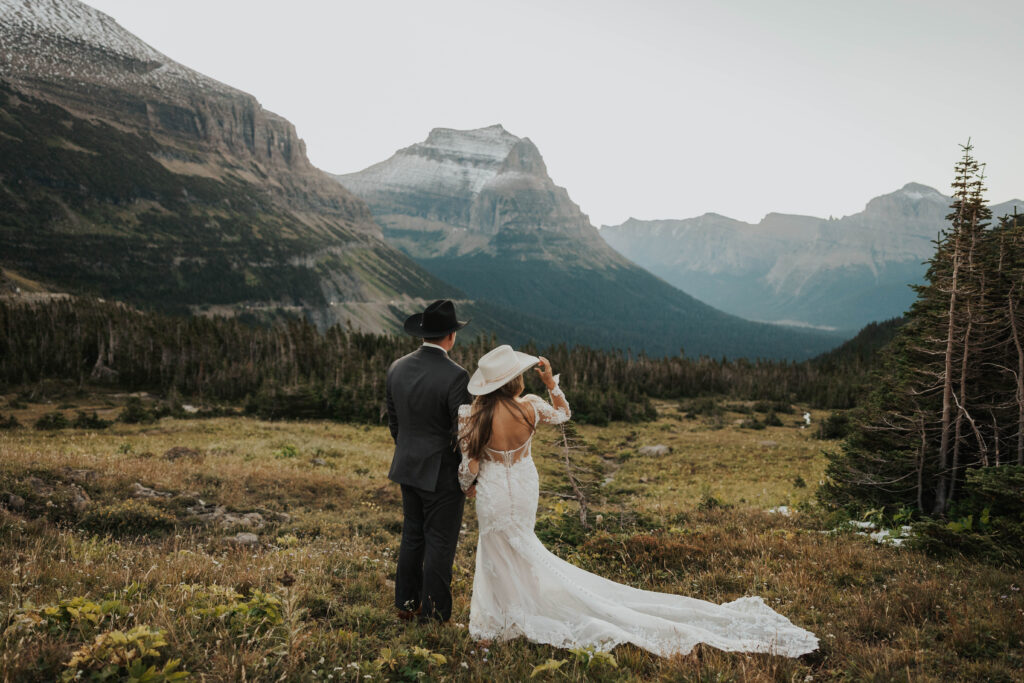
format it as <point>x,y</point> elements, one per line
<point>948,393</point>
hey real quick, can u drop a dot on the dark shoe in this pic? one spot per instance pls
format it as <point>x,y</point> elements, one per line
<point>408,615</point>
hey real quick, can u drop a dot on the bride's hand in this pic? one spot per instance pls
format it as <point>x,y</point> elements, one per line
<point>544,370</point>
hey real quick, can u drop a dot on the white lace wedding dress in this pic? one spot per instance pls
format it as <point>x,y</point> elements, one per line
<point>521,589</point>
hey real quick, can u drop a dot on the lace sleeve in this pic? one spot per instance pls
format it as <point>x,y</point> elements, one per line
<point>466,476</point>
<point>548,413</point>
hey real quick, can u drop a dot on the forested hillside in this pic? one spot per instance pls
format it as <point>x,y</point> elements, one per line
<point>292,370</point>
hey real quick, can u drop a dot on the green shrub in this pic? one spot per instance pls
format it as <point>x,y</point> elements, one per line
<point>700,407</point>
<point>709,502</point>
<point>135,412</point>
<point>773,407</point>
<point>10,422</point>
<point>772,420</point>
<point>988,522</point>
<point>52,421</point>
<point>93,421</point>
<point>124,656</point>
<point>257,614</point>
<point>409,664</point>
<point>836,426</point>
<point>128,518</point>
<point>286,452</point>
<point>80,614</point>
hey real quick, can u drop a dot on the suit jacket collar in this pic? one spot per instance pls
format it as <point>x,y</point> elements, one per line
<point>434,348</point>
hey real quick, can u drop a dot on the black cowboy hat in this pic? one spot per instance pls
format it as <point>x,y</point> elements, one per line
<point>438,320</point>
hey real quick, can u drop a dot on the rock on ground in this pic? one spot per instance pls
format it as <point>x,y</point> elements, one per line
<point>244,539</point>
<point>182,452</point>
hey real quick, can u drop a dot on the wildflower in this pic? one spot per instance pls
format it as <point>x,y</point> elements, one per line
<point>464,665</point>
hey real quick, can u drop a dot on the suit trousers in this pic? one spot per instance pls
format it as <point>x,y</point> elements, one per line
<point>430,532</point>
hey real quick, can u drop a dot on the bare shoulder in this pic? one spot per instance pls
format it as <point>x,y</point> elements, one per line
<point>530,401</point>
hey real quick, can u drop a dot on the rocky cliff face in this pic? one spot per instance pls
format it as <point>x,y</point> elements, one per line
<point>839,273</point>
<point>184,191</point>
<point>475,191</point>
<point>478,209</point>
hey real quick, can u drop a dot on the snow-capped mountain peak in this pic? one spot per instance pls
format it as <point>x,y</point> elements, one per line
<point>67,40</point>
<point>490,143</point>
<point>77,22</point>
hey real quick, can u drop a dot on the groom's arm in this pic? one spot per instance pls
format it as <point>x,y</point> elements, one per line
<point>458,393</point>
<point>392,414</point>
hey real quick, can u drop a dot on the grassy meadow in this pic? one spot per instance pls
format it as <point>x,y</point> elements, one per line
<point>97,583</point>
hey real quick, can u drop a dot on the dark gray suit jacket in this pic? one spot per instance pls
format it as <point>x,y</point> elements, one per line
<point>424,392</point>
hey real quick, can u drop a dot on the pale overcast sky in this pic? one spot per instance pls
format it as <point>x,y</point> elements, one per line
<point>645,108</point>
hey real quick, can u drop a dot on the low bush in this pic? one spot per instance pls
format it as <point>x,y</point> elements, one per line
<point>86,421</point>
<point>836,426</point>
<point>52,421</point>
<point>128,518</point>
<point>78,614</point>
<point>988,522</point>
<point>124,656</point>
<point>253,615</point>
<point>135,412</point>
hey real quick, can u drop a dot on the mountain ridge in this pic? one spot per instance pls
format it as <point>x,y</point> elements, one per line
<point>127,175</point>
<point>835,272</point>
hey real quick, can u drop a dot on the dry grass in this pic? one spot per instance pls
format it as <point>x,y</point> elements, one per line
<point>882,613</point>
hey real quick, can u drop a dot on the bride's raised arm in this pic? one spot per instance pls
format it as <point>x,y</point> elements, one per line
<point>558,410</point>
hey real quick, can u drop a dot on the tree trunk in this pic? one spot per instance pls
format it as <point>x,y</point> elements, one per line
<point>942,484</point>
<point>920,462</point>
<point>1020,376</point>
<point>953,480</point>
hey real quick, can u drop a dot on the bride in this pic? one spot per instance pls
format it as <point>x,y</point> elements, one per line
<point>521,589</point>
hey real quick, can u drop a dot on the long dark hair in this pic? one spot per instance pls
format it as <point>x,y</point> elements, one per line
<point>477,431</point>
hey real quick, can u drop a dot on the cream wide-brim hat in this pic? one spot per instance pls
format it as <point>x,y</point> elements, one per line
<point>497,367</point>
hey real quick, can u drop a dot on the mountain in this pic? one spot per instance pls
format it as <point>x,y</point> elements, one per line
<point>839,273</point>
<point>477,208</point>
<point>127,175</point>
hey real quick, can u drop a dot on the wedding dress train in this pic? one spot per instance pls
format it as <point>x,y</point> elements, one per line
<point>521,589</point>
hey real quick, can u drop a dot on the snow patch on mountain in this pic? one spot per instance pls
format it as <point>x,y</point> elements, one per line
<point>30,29</point>
<point>491,144</point>
<point>459,162</point>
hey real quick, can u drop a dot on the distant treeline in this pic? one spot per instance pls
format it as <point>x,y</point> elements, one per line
<point>292,370</point>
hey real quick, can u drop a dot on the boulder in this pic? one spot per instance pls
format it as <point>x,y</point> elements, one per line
<point>79,499</point>
<point>658,450</point>
<point>182,452</point>
<point>244,539</point>
<point>79,474</point>
<point>39,487</point>
<point>218,515</point>
<point>12,502</point>
<point>140,491</point>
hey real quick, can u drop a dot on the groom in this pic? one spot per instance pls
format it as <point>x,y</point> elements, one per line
<point>424,392</point>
